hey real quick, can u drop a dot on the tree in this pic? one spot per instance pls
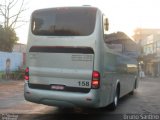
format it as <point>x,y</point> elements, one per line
<point>7,39</point>
<point>10,12</point>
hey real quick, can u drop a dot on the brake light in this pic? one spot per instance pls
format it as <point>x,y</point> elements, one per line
<point>26,77</point>
<point>95,80</point>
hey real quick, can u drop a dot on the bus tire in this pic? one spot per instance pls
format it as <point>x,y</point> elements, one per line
<point>114,104</point>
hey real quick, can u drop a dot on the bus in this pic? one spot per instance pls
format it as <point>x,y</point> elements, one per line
<point>69,64</point>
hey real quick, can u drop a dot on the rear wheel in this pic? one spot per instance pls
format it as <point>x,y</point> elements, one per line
<point>114,104</point>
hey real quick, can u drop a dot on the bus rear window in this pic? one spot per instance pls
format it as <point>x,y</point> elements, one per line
<point>64,21</point>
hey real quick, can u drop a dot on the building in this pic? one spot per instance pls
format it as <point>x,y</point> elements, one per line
<point>142,33</point>
<point>19,47</point>
<point>151,54</point>
<point>122,43</point>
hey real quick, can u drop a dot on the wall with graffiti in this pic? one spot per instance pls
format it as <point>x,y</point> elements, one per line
<point>11,61</point>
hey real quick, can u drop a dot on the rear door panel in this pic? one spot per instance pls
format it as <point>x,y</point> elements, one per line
<point>71,68</point>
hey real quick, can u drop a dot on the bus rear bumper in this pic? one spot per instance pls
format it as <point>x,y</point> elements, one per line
<point>62,98</point>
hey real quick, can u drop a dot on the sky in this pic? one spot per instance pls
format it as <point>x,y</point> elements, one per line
<point>123,15</point>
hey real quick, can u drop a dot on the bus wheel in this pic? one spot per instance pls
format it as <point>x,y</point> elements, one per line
<point>114,104</point>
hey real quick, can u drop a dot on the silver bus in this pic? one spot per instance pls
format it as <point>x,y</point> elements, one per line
<point>69,63</point>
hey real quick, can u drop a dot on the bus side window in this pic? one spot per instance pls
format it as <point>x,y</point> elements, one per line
<point>115,47</point>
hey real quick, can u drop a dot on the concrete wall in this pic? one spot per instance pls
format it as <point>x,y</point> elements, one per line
<point>15,58</point>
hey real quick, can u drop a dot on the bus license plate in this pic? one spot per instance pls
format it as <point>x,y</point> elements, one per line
<point>57,87</point>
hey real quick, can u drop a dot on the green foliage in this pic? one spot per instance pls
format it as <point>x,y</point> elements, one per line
<point>14,75</point>
<point>7,39</point>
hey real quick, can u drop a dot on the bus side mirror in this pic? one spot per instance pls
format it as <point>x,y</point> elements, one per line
<point>106,24</point>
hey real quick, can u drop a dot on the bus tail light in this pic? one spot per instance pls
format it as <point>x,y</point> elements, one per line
<point>26,76</point>
<point>95,80</point>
